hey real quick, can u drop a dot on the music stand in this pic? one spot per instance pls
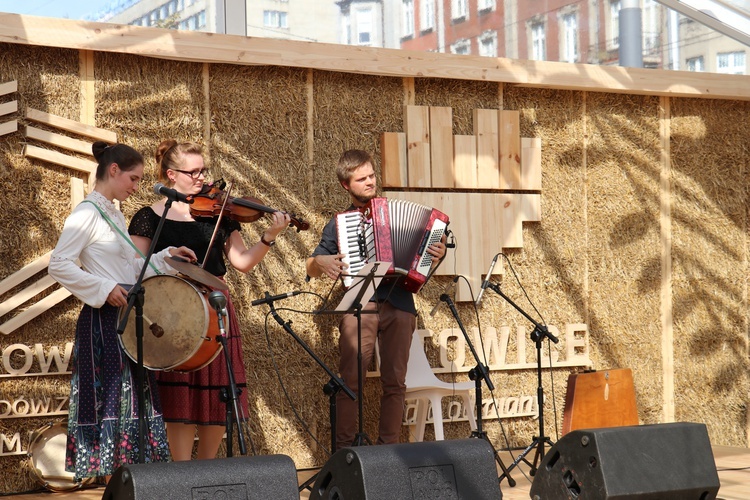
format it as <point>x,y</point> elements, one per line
<point>352,303</point>
<point>136,299</point>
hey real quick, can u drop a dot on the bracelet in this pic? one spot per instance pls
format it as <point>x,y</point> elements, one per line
<point>267,243</point>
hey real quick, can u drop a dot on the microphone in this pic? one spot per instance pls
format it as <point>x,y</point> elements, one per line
<point>172,194</point>
<point>271,298</point>
<point>486,280</point>
<point>451,285</point>
<point>217,300</point>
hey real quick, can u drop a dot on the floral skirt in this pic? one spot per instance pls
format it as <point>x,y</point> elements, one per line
<point>103,424</point>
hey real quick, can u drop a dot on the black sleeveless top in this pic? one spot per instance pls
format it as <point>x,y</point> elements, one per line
<point>193,234</point>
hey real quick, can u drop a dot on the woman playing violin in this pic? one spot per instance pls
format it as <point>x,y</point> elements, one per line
<point>192,399</point>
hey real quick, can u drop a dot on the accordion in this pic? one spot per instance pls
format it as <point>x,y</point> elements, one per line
<point>396,231</point>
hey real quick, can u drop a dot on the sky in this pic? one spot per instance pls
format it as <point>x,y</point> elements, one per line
<point>68,9</point>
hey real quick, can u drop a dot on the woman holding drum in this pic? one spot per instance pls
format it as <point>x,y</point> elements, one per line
<point>193,399</point>
<point>103,418</point>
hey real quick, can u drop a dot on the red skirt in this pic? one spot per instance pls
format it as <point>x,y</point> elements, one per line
<point>195,397</point>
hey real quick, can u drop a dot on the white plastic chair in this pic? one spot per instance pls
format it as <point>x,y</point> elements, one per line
<point>428,390</point>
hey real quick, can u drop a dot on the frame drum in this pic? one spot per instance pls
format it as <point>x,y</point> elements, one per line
<point>47,457</point>
<point>179,326</point>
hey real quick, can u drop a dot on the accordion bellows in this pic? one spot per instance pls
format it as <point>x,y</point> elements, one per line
<point>391,230</point>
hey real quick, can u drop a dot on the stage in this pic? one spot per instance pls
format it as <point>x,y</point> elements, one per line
<point>733,465</point>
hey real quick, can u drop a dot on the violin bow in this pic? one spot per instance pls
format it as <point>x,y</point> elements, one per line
<point>218,222</point>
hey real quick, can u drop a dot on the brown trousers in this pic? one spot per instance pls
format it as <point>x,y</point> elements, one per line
<point>392,328</point>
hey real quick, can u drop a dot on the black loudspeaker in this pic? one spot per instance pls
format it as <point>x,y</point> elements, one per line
<point>646,462</point>
<point>256,478</point>
<point>459,469</point>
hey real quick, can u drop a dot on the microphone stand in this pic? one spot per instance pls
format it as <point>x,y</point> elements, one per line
<point>537,335</point>
<point>477,374</point>
<point>229,394</point>
<point>136,299</point>
<point>331,389</point>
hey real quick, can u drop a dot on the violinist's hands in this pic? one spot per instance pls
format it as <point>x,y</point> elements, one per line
<point>331,265</point>
<point>118,297</point>
<point>280,221</point>
<point>184,253</point>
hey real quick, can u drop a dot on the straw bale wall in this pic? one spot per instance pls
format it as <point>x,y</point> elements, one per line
<point>597,257</point>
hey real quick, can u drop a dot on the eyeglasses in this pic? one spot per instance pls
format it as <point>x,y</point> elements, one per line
<point>193,174</point>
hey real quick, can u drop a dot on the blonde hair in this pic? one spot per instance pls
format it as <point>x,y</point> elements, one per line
<point>170,154</point>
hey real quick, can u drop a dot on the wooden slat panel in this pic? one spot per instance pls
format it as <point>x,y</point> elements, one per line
<point>60,159</point>
<point>8,87</point>
<point>393,159</point>
<point>27,293</point>
<point>531,207</point>
<point>32,312</point>
<point>7,108</point>
<point>59,140</point>
<point>25,273</point>
<point>441,146</point>
<point>8,127</point>
<point>510,149</point>
<point>512,232</point>
<point>465,161</point>
<point>71,125</point>
<point>531,163</point>
<point>486,132</point>
<point>417,120</point>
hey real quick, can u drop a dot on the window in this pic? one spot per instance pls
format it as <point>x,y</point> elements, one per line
<point>613,40</point>
<point>730,63</point>
<point>695,64</point>
<point>274,19</point>
<point>459,9</point>
<point>570,38</point>
<point>462,47</point>
<point>363,26</point>
<point>488,44</point>
<point>484,5</point>
<point>407,9</point>
<point>202,19</point>
<point>346,29</point>
<point>427,15</point>
<point>538,42</point>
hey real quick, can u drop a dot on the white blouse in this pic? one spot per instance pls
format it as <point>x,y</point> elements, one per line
<point>106,258</point>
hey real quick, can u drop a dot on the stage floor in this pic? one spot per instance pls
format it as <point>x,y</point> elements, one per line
<point>733,465</point>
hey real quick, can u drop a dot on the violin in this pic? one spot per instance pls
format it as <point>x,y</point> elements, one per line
<point>212,201</point>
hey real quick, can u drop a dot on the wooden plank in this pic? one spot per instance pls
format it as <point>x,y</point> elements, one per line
<point>25,273</point>
<point>9,87</point>
<point>531,163</point>
<point>88,86</point>
<point>531,207</point>
<point>486,132</point>
<point>61,159</point>
<point>32,312</point>
<point>73,126</point>
<point>198,46</point>
<point>416,124</point>
<point>465,161</point>
<point>441,147</point>
<point>665,243</point>
<point>8,127</point>
<point>27,293</point>
<point>512,227</point>
<point>9,107</point>
<point>59,140</point>
<point>393,169</point>
<point>510,149</point>
<point>77,192</point>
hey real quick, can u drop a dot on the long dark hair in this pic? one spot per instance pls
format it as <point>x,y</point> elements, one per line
<point>126,157</point>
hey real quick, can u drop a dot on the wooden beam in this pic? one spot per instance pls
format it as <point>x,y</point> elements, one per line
<point>8,87</point>
<point>393,160</point>
<point>59,140</point>
<point>8,127</point>
<point>198,46</point>
<point>61,159</point>
<point>73,126</point>
<point>25,273</point>
<point>35,310</point>
<point>9,107</point>
<point>88,87</point>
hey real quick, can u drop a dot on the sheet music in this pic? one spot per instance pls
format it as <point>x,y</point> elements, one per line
<point>359,280</point>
